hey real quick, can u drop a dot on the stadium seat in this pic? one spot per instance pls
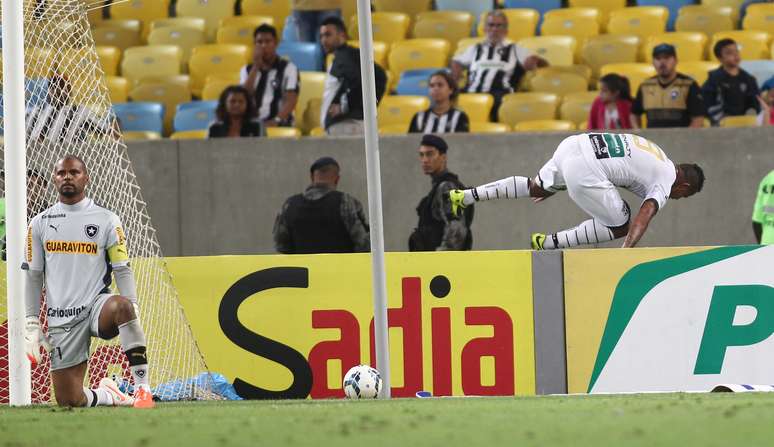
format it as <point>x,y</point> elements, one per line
<point>474,7</point>
<point>739,121</point>
<point>760,19</point>
<point>381,50</point>
<point>559,83</point>
<point>188,22</point>
<point>194,116</point>
<point>735,5</point>
<point>209,60</point>
<point>214,86</point>
<point>410,7</point>
<point>704,20</point>
<point>274,8</point>
<point>118,88</point>
<point>197,105</point>
<point>557,50</point>
<point>189,135</point>
<point>449,25</point>
<point>169,94</point>
<point>144,10</point>
<point>116,37</point>
<point>485,127</point>
<point>609,49</point>
<point>639,11</point>
<point>283,132</point>
<point>577,106</point>
<point>394,129</point>
<point>109,59</point>
<point>752,44</point>
<point>522,22</point>
<point>635,73</point>
<point>579,27</point>
<point>762,70</point>
<point>604,6</point>
<point>541,6</point>
<point>140,135</point>
<point>151,60</point>
<point>476,105</point>
<point>247,21</point>
<point>306,55</point>
<point>317,132</point>
<point>518,107</point>
<point>585,13</point>
<point>464,44</point>
<point>130,24</point>
<point>240,29</point>
<point>418,53</point>
<point>690,46</point>
<point>639,21</point>
<point>581,70</point>
<point>414,82</point>
<point>311,117</point>
<point>140,116</point>
<point>673,6</point>
<point>183,37</point>
<point>543,125</point>
<point>211,12</point>
<point>400,109</point>
<point>387,26</point>
<point>182,80</point>
<point>313,83</point>
<point>698,70</point>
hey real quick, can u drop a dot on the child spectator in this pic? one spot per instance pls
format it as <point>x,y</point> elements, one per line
<point>612,108</point>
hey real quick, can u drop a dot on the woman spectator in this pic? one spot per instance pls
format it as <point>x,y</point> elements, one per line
<point>441,117</point>
<point>236,115</point>
<point>612,108</point>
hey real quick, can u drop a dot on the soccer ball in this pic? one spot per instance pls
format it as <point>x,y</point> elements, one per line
<point>362,382</point>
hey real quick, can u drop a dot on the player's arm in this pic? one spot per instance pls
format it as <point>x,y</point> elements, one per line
<point>118,255</point>
<point>33,267</point>
<point>640,223</point>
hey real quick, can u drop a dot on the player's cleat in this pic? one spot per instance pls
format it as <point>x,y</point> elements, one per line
<point>456,197</point>
<point>143,398</point>
<point>538,239</point>
<point>120,399</point>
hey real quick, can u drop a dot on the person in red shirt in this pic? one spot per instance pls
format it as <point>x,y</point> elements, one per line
<point>612,108</point>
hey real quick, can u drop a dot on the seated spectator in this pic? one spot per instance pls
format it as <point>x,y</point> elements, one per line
<point>236,115</point>
<point>272,80</point>
<point>496,65</point>
<point>669,99</point>
<point>612,108</point>
<point>729,90</point>
<point>441,117</point>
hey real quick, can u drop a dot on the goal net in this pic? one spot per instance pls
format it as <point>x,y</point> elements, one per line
<point>69,111</point>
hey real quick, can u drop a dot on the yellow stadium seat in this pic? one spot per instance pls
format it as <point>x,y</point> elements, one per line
<point>578,27</point>
<point>660,12</point>
<point>109,58</point>
<point>183,37</point>
<point>313,85</point>
<point>739,121</point>
<point>168,93</point>
<point>247,21</point>
<point>698,70</point>
<point>585,13</point>
<point>635,73</point>
<point>211,11</point>
<point>449,25</point>
<point>760,8</point>
<point>118,88</point>
<point>772,50</point>
<point>311,116</point>
<point>760,20</point>
<point>188,22</point>
<point>609,49</point>
<point>476,105</point>
<point>522,22</point>
<point>640,26</point>
<point>735,6</point>
<point>464,44</point>
<point>240,29</point>
<point>577,106</point>
<point>394,129</point>
<point>214,86</point>
<point>418,53</point>
<point>704,20</point>
<point>557,50</point>
<point>180,79</point>
<point>130,24</point>
<point>140,135</point>
<point>387,26</point>
<point>543,125</point>
<point>605,6</point>
<point>317,132</point>
<point>189,135</point>
<point>144,10</point>
<point>381,50</point>
<point>752,44</point>
<point>277,9</point>
<point>400,109</point>
<point>484,127</point>
<point>518,107</point>
<point>116,37</point>
<point>209,60</point>
<point>690,46</point>
<point>151,60</point>
<point>410,7</point>
<point>283,132</point>
<point>559,83</point>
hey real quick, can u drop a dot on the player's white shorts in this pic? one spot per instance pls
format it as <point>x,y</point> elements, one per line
<point>587,187</point>
<point>71,343</point>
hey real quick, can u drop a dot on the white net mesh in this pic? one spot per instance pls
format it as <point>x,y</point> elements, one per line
<point>68,111</point>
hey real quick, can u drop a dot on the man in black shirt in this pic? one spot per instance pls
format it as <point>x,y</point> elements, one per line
<point>729,90</point>
<point>669,99</point>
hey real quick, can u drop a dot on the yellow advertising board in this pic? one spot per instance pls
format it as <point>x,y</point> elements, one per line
<point>291,326</point>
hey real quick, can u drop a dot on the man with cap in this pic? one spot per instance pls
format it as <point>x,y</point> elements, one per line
<point>439,228</point>
<point>669,99</point>
<point>322,219</point>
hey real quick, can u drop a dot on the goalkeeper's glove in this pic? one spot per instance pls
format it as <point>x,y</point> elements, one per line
<point>34,338</point>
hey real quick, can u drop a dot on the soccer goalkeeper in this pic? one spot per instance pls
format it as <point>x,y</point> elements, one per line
<point>74,246</point>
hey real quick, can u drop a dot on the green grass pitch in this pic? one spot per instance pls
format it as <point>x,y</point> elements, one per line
<point>683,420</point>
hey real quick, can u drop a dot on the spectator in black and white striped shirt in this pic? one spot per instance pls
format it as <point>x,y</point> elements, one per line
<point>442,116</point>
<point>495,65</point>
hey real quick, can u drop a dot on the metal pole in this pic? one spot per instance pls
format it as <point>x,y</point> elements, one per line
<point>16,196</point>
<point>373,172</point>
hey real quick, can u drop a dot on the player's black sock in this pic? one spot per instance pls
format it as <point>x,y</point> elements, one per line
<point>138,364</point>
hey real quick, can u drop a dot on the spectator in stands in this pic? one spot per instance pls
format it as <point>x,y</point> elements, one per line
<point>310,14</point>
<point>342,104</point>
<point>442,116</point>
<point>322,219</point>
<point>612,108</point>
<point>272,80</point>
<point>729,90</point>
<point>496,65</point>
<point>36,189</point>
<point>236,115</point>
<point>766,100</point>
<point>669,99</point>
<point>438,228</point>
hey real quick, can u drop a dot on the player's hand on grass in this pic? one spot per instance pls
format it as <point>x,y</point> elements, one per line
<point>34,338</point>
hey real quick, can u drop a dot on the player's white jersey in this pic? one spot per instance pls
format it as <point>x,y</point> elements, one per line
<point>631,162</point>
<point>76,246</point>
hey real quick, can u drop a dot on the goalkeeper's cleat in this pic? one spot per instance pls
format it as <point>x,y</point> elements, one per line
<point>456,197</point>
<point>120,399</point>
<point>33,340</point>
<point>538,239</point>
<point>143,397</point>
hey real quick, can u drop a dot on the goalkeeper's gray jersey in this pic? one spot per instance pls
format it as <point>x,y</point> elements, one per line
<point>76,246</point>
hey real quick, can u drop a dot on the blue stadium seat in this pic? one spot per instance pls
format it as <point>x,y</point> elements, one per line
<point>541,5</point>
<point>672,5</point>
<point>475,7</point>
<point>306,55</point>
<point>194,117</point>
<point>140,116</point>
<point>37,91</point>
<point>415,82</point>
<point>762,69</point>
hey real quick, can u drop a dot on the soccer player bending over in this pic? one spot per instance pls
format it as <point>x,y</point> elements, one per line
<point>74,246</point>
<point>590,167</point>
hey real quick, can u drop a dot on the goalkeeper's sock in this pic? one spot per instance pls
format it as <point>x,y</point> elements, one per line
<point>134,346</point>
<point>588,232</point>
<point>508,188</point>
<point>99,397</point>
